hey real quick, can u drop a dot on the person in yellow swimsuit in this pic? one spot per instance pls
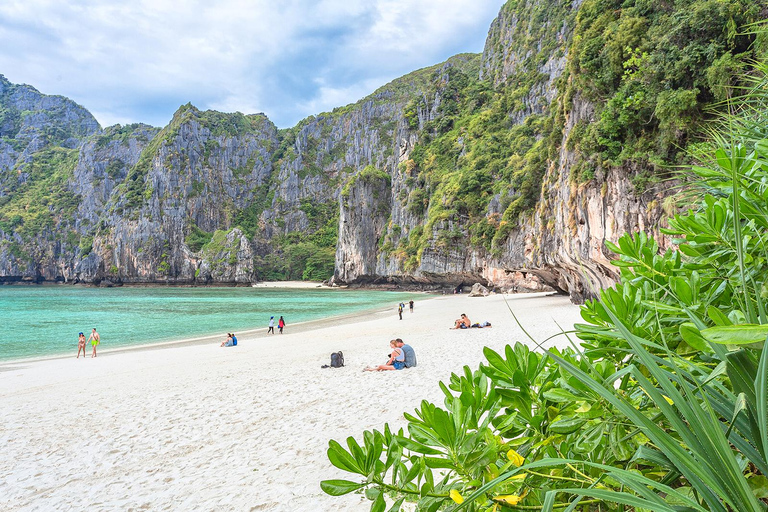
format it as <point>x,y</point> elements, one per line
<point>95,339</point>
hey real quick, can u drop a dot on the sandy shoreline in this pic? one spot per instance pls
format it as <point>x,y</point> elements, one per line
<point>195,426</point>
<point>259,332</point>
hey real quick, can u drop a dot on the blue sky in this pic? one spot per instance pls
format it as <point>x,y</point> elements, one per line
<point>138,61</point>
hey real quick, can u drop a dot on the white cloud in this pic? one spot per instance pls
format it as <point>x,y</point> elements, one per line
<point>138,61</point>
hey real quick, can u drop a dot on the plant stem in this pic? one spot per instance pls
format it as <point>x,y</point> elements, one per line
<point>570,466</point>
<point>557,477</point>
<point>556,505</point>
<point>407,491</point>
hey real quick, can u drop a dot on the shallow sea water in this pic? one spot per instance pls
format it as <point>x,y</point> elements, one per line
<point>45,320</point>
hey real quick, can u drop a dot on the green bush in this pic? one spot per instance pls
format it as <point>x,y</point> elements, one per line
<point>664,406</point>
<point>197,238</point>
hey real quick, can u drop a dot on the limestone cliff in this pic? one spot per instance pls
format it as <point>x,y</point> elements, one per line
<point>512,168</point>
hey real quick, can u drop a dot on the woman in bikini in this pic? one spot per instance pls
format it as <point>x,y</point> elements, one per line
<point>80,345</point>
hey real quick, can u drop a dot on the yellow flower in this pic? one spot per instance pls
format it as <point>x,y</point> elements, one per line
<point>455,496</point>
<point>515,457</point>
<point>509,499</point>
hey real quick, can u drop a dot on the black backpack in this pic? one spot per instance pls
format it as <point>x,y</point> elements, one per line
<point>337,360</point>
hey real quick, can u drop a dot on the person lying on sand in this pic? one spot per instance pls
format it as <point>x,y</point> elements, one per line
<point>227,342</point>
<point>462,323</point>
<point>396,360</point>
<point>482,324</point>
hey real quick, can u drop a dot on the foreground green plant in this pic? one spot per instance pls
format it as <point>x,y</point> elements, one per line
<point>663,407</point>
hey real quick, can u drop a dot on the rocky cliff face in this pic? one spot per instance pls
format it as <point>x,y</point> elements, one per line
<point>467,171</point>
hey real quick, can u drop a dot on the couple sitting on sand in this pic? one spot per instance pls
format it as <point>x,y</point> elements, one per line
<point>231,340</point>
<point>402,356</point>
<point>465,323</point>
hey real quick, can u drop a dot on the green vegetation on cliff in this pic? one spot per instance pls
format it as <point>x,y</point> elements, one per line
<point>38,198</point>
<point>652,72</point>
<point>305,255</point>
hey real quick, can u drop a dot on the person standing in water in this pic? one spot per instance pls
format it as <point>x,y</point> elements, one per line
<point>281,324</point>
<point>80,345</point>
<point>271,325</point>
<point>95,339</point>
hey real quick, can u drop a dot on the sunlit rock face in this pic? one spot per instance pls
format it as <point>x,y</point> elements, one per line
<point>216,198</point>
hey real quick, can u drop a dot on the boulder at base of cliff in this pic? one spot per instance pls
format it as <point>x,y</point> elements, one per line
<point>479,290</point>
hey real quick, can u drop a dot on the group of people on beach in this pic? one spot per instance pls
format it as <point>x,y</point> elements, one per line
<point>401,308</point>
<point>94,339</point>
<point>280,325</point>
<point>402,356</point>
<point>230,341</point>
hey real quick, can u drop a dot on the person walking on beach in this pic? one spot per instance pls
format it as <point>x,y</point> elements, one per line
<point>280,325</point>
<point>400,310</point>
<point>271,325</point>
<point>80,345</point>
<point>95,339</point>
<point>410,304</point>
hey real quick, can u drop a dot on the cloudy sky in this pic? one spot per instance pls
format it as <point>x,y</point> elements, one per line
<point>138,60</point>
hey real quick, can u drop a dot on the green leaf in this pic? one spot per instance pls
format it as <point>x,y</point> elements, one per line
<point>339,487</point>
<point>414,446</point>
<point>759,486</point>
<point>340,458</point>
<point>723,160</point>
<point>379,505</point>
<point>567,425</point>
<point>435,462</point>
<point>559,395</point>
<point>761,398</point>
<point>396,506</point>
<point>590,439</point>
<point>717,316</point>
<point>744,334</point>
<point>692,336</point>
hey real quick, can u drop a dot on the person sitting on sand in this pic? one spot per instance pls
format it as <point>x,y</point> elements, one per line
<point>227,342</point>
<point>462,323</point>
<point>408,353</point>
<point>482,324</point>
<point>80,345</point>
<point>396,360</point>
<point>234,340</point>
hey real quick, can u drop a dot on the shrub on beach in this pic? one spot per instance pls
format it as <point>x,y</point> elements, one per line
<point>663,405</point>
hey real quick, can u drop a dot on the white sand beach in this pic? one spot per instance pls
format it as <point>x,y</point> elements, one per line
<point>199,427</point>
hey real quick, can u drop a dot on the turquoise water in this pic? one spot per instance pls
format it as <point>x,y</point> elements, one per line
<point>44,320</point>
